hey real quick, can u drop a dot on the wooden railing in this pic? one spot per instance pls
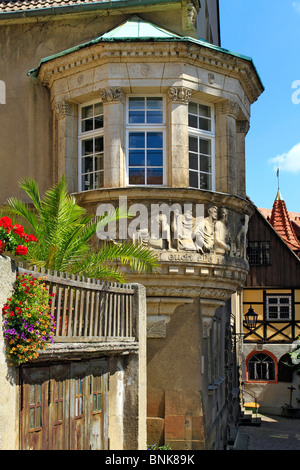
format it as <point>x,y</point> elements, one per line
<point>88,309</point>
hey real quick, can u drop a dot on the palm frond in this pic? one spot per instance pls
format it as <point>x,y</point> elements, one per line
<point>64,231</point>
<point>32,190</point>
<point>23,211</point>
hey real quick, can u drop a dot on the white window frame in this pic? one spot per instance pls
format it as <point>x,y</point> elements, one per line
<point>278,297</point>
<point>208,135</point>
<point>161,127</point>
<point>87,135</point>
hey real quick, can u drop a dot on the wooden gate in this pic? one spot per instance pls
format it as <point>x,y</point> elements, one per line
<point>64,406</point>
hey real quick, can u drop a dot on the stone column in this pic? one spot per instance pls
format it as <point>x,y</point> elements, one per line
<point>140,306</point>
<point>226,147</point>
<point>114,123</point>
<point>67,146</point>
<point>242,130</point>
<point>178,161</point>
<point>9,413</point>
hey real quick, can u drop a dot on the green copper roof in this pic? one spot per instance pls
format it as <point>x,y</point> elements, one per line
<point>136,29</point>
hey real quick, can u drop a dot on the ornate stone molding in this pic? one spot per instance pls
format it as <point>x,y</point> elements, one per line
<point>229,107</point>
<point>63,109</point>
<point>112,94</point>
<point>180,94</point>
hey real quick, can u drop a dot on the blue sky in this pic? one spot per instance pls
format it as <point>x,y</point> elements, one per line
<point>269,32</point>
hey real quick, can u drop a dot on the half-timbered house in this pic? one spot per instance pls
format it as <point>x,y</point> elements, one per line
<point>272,289</point>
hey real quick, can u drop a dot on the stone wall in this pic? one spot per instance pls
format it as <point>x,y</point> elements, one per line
<point>8,374</point>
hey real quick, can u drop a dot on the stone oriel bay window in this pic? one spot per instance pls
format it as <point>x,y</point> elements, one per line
<point>175,69</point>
<point>90,146</point>
<point>145,141</point>
<point>201,146</point>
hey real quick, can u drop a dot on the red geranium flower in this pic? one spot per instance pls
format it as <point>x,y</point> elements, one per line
<point>6,222</point>
<point>18,229</point>
<point>21,250</point>
<point>30,238</point>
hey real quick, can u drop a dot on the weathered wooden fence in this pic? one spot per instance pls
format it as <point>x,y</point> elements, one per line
<point>88,309</point>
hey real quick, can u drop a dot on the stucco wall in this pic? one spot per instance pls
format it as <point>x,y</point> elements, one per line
<point>272,396</point>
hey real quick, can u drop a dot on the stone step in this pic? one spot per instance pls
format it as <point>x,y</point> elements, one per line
<point>248,419</point>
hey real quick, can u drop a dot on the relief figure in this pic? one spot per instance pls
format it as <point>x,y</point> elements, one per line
<point>205,232</point>
<point>183,228</point>
<point>222,237</point>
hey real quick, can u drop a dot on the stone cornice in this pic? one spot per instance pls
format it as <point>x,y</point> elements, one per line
<point>236,203</point>
<point>212,60</point>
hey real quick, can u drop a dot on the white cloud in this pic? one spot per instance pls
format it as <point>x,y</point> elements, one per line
<point>289,161</point>
<point>296,6</point>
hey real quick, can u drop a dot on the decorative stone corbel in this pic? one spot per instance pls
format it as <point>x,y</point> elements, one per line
<point>229,107</point>
<point>112,94</point>
<point>63,109</point>
<point>180,94</point>
<point>243,127</point>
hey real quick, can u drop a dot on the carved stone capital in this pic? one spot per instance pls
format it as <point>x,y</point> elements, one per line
<point>243,127</point>
<point>229,107</point>
<point>180,94</point>
<point>63,109</point>
<point>112,94</point>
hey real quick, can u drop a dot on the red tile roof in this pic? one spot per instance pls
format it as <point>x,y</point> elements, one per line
<point>23,5</point>
<point>281,221</point>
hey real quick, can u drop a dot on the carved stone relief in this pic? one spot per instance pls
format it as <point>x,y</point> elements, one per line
<point>191,12</point>
<point>180,94</point>
<point>219,232</point>
<point>112,94</point>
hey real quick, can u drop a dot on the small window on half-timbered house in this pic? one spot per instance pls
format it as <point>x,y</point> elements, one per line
<point>278,307</point>
<point>258,253</point>
<point>261,367</point>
